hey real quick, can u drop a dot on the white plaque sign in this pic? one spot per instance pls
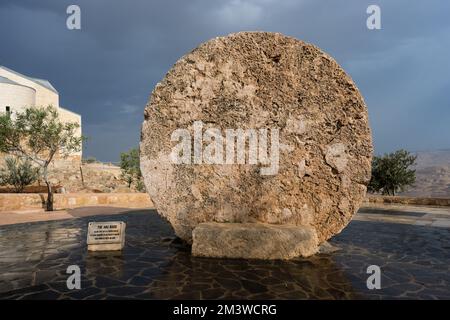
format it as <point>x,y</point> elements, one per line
<point>106,236</point>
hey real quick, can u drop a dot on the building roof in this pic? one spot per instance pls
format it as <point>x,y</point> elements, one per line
<point>42,82</point>
<point>8,81</point>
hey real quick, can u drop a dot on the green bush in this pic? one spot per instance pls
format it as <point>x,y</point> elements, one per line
<point>18,173</point>
<point>140,186</point>
<point>391,173</point>
<point>130,165</point>
<point>89,160</point>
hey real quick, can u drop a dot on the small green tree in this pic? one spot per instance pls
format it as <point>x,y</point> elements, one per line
<point>18,173</point>
<point>37,134</point>
<point>391,173</point>
<point>131,171</point>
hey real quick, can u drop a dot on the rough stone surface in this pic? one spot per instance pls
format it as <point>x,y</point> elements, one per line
<point>253,241</point>
<point>254,80</point>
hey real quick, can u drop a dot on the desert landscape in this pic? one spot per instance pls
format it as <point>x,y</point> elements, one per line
<point>432,175</point>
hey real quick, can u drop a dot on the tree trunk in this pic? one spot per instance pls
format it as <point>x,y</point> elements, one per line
<point>82,177</point>
<point>49,202</point>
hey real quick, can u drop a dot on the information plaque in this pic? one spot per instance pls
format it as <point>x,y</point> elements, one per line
<point>106,236</point>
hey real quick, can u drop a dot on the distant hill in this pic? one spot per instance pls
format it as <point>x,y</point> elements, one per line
<point>432,174</point>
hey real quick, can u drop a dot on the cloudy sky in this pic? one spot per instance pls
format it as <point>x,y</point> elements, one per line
<point>107,70</point>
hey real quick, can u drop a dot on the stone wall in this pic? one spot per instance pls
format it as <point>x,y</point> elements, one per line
<point>76,178</point>
<point>29,201</point>
<point>75,157</point>
<point>97,177</point>
<point>408,200</point>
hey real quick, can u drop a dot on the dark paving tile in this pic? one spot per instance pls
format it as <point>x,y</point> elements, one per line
<point>24,291</point>
<point>43,295</point>
<point>83,293</point>
<point>104,282</point>
<point>253,286</point>
<point>140,281</point>
<point>211,294</point>
<point>125,291</point>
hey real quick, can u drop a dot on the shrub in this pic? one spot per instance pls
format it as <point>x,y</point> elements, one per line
<point>140,186</point>
<point>130,165</point>
<point>89,160</point>
<point>18,173</point>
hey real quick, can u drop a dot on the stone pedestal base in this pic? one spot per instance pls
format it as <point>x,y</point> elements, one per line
<point>106,247</point>
<point>253,241</point>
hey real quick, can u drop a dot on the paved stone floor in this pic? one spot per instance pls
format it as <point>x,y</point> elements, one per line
<point>412,250</point>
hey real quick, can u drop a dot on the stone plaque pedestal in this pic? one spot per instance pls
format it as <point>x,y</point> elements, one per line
<point>253,241</point>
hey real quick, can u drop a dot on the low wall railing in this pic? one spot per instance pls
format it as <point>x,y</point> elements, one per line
<point>29,201</point>
<point>423,201</point>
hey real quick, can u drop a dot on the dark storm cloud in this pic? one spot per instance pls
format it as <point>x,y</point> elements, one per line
<point>107,70</point>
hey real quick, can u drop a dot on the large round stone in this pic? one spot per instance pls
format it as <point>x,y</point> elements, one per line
<point>286,97</point>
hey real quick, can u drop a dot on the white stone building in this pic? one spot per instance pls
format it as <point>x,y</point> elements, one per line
<point>18,91</point>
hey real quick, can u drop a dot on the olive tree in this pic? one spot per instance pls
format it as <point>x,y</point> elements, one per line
<point>392,173</point>
<point>38,134</point>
